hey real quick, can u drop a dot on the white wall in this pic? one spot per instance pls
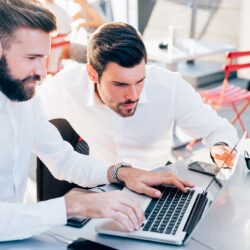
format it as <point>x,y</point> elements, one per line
<point>119,10</point>
<point>125,11</point>
<point>244,34</point>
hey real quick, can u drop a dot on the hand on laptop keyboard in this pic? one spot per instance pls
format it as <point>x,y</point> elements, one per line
<point>142,181</point>
<point>115,204</point>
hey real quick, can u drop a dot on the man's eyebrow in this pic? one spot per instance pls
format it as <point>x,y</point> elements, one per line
<point>36,55</point>
<point>141,79</point>
<point>124,83</point>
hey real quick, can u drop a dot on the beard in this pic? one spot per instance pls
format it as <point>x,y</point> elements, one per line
<point>126,113</point>
<point>117,108</point>
<point>15,89</point>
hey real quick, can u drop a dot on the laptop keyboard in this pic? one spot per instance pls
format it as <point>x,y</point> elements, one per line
<point>164,215</point>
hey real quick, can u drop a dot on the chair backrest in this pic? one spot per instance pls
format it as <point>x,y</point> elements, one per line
<point>60,49</point>
<point>47,186</point>
<point>59,40</point>
<point>232,66</point>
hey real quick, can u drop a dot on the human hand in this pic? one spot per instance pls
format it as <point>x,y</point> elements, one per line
<point>116,205</point>
<point>142,181</point>
<point>222,156</point>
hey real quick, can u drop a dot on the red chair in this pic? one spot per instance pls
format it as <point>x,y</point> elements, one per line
<point>227,94</point>
<point>60,46</point>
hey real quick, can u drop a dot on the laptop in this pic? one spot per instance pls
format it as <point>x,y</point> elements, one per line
<point>173,217</point>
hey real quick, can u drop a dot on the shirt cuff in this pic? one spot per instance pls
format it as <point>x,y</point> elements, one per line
<point>230,141</point>
<point>53,212</point>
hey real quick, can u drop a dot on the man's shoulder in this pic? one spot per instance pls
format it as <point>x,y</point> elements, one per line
<point>70,81</point>
<point>72,75</point>
<point>73,67</point>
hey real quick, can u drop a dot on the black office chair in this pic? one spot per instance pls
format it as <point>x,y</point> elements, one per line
<point>49,187</point>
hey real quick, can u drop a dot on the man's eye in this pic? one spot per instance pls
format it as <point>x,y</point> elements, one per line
<point>32,58</point>
<point>120,84</point>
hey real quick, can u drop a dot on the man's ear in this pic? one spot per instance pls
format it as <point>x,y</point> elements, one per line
<point>92,73</point>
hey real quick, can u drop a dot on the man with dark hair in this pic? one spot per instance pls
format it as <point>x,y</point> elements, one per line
<point>24,44</point>
<point>146,100</point>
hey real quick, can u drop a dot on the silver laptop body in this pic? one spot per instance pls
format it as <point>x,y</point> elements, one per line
<point>180,232</point>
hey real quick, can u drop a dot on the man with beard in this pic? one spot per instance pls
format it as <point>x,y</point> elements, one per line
<point>24,44</point>
<point>124,109</point>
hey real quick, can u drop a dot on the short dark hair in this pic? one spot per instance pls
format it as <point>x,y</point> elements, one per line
<point>115,42</point>
<point>16,14</point>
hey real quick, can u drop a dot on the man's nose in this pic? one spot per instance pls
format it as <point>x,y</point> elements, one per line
<point>132,94</point>
<point>40,68</point>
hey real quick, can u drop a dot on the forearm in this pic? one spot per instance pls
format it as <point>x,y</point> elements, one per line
<point>200,120</point>
<point>223,132</point>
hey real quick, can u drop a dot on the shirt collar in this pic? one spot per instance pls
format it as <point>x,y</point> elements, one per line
<point>3,99</point>
<point>93,100</point>
<point>144,96</point>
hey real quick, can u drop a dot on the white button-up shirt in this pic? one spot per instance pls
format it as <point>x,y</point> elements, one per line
<point>24,129</point>
<point>144,139</point>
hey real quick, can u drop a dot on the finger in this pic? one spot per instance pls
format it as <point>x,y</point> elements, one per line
<point>151,192</point>
<point>129,208</point>
<point>178,184</point>
<point>223,152</point>
<point>219,163</point>
<point>225,159</point>
<point>220,150</point>
<point>123,220</point>
<point>226,148</point>
<point>167,178</point>
<point>136,208</point>
<point>130,213</point>
<point>230,162</point>
<point>222,156</point>
<point>185,183</point>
